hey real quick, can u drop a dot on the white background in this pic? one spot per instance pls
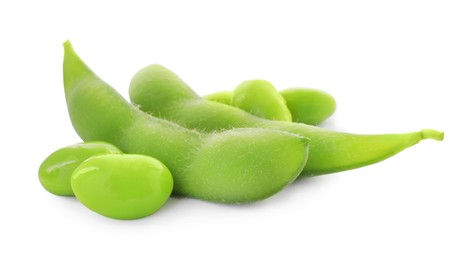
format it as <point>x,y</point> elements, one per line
<point>393,66</point>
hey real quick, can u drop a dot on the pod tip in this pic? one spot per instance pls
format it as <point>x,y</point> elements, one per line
<point>433,134</point>
<point>67,44</point>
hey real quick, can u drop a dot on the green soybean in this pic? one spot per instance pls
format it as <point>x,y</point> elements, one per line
<point>160,92</point>
<point>309,106</point>
<point>235,166</point>
<point>223,97</point>
<point>55,171</point>
<point>306,105</point>
<point>122,186</point>
<point>260,98</point>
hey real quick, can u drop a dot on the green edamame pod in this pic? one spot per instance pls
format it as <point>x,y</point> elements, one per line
<point>309,106</point>
<point>260,98</point>
<point>223,97</point>
<point>236,166</point>
<point>153,88</point>
<point>56,170</point>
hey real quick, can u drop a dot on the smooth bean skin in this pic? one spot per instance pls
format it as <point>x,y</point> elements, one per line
<point>152,89</point>
<point>56,170</point>
<point>309,106</point>
<point>306,105</point>
<point>246,156</point>
<point>223,97</point>
<point>122,186</point>
<point>260,98</point>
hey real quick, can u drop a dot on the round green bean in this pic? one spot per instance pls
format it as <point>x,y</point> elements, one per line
<point>309,106</point>
<point>55,171</point>
<point>260,98</point>
<point>223,97</point>
<point>306,105</point>
<point>122,186</point>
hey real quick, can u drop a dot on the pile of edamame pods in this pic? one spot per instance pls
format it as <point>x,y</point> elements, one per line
<point>230,147</point>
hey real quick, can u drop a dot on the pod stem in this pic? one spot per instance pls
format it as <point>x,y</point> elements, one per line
<point>432,134</point>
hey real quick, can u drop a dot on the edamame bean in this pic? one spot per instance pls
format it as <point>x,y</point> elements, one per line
<point>223,97</point>
<point>55,171</point>
<point>260,98</point>
<point>309,106</point>
<point>306,105</point>
<point>235,166</point>
<point>153,89</point>
<point>122,186</point>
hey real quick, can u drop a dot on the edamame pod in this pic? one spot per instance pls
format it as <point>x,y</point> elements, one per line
<point>235,166</point>
<point>153,88</point>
